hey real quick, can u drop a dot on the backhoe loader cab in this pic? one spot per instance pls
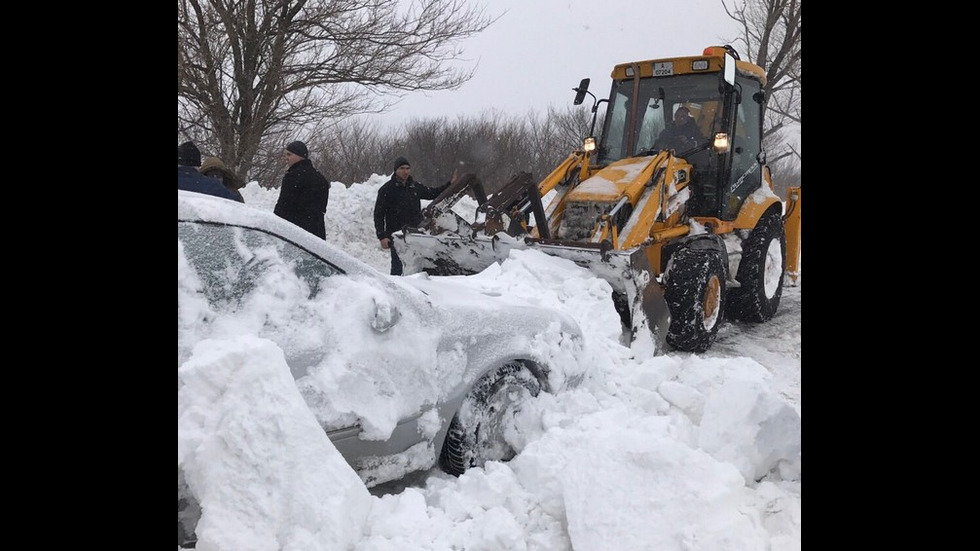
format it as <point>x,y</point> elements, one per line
<point>685,236</point>
<point>727,106</point>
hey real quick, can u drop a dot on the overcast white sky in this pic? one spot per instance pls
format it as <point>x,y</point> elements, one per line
<point>539,50</point>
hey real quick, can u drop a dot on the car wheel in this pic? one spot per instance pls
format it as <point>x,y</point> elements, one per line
<point>188,514</point>
<point>695,295</point>
<point>760,272</point>
<point>478,431</point>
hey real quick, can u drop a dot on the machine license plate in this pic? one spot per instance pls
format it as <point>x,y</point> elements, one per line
<point>663,68</point>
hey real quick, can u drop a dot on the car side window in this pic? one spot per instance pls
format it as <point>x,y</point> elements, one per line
<point>232,260</point>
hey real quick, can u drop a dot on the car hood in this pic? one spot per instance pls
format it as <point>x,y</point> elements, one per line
<point>452,294</point>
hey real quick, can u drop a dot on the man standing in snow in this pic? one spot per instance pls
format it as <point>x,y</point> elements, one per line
<point>399,205</point>
<point>189,179</point>
<point>304,192</point>
<point>213,167</point>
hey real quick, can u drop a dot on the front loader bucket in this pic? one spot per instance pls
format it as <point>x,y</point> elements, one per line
<point>644,314</point>
<point>451,253</point>
<point>642,307</point>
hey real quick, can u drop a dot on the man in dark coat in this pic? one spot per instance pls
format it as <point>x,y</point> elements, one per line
<point>188,178</point>
<point>399,205</point>
<point>304,192</point>
<point>213,167</point>
<point>683,134</point>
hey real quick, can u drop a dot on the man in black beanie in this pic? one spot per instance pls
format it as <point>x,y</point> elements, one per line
<point>188,155</point>
<point>304,192</point>
<point>683,134</point>
<point>399,205</point>
<point>188,178</point>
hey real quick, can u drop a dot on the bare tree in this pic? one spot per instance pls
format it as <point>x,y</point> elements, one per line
<point>253,74</point>
<point>494,145</point>
<point>346,154</point>
<point>772,38</point>
<point>571,127</point>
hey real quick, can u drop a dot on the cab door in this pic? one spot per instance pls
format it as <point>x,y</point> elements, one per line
<point>746,168</point>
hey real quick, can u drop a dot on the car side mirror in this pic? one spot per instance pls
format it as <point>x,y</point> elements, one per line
<point>386,315</point>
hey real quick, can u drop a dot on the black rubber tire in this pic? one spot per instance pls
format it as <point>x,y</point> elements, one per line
<point>622,305</point>
<point>695,294</point>
<point>474,435</point>
<point>763,254</point>
<point>188,514</point>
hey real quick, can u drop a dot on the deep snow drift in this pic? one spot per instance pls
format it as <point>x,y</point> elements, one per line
<point>677,451</point>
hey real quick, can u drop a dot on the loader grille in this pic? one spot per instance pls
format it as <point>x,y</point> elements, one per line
<point>580,219</point>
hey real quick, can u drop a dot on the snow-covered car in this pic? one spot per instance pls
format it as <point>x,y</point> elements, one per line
<point>403,373</point>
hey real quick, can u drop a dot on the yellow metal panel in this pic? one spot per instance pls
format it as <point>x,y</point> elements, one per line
<point>659,236</point>
<point>638,183</point>
<point>614,181</point>
<point>793,223</point>
<point>651,207</point>
<point>558,174</point>
<point>653,253</point>
<point>644,219</point>
<point>751,211</point>
<point>752,70</point>
<point>684,65</point>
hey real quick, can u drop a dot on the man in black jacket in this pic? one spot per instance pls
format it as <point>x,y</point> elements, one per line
<point>188,178</point>
<point>304,192</point>
<point>684,134</point>
<point>399,205</point>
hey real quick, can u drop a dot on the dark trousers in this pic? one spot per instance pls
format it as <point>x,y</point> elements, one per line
<point>396,263</point>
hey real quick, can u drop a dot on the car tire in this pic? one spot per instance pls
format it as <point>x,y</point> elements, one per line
<point>695,295</point>
<point>188,514</point>
<point>477,432</point>
<point>760,272</point>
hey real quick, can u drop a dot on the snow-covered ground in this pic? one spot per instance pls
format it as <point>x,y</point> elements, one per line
<point>672,452</point>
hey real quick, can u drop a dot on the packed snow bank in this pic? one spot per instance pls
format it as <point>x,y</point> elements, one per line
<point>253,455</point>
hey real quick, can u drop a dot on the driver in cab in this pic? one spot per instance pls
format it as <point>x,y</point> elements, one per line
<point>682,135</point>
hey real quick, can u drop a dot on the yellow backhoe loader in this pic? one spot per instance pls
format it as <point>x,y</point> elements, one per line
<point>686,235</point>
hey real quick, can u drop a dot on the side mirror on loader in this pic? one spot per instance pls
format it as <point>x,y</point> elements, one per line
<point>729,73</point>
<point>583,88</point>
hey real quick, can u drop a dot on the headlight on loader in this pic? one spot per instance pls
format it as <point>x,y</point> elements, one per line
<point>721,144</point>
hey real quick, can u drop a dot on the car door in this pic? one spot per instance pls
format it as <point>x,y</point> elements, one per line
<point>363,352</point>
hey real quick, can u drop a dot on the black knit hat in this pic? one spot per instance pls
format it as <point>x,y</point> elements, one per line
<point>298,148</point>
<point>188,154</point>
<point>401,161</point>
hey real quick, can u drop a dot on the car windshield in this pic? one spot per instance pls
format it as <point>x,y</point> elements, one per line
<point>233,259</point>
<point>655,103</point>
<point>241,275</point>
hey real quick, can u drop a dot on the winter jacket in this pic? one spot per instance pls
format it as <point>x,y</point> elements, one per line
<point>398,205</point>
<point>229,179</point>
<point>681,137</point>
<point>303,198</point>
<point>188,178</point>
